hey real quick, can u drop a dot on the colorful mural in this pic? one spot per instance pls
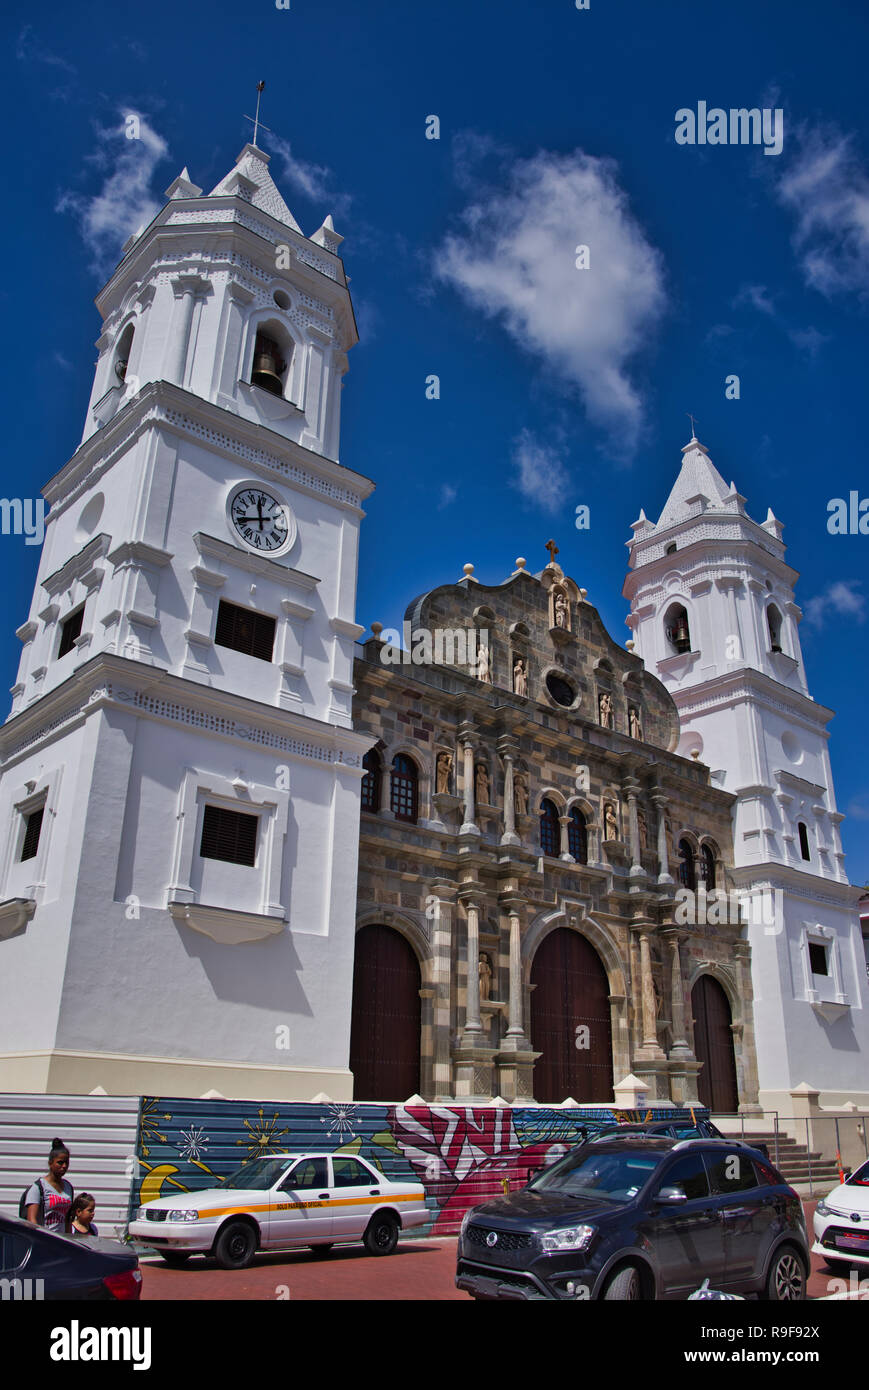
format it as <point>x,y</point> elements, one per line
<point>462,1154</point>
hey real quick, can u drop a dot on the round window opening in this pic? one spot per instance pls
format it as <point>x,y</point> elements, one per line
<point>561,690</point>
<point>282,299</point>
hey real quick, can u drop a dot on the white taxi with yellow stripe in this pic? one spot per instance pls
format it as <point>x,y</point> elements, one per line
<point>279,1203</point>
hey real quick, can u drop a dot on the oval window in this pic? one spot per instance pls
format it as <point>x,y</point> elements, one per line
<point>561,690</point>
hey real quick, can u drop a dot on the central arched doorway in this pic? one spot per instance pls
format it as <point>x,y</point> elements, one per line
<point>572,990</point>
<point>385,1030</point>
<point>713,1046</point>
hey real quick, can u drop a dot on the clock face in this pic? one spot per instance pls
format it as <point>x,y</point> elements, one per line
<point>260,519</point>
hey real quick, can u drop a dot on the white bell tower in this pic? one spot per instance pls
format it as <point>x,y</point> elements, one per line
<point>179,776</point>
<point>713,616</point>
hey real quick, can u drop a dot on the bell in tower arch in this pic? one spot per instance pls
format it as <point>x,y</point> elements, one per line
<point>268,365</point>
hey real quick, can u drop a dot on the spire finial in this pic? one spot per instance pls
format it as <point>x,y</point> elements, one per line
<point>693,426</point>
<point>260,88</point>
<point>553,551</point>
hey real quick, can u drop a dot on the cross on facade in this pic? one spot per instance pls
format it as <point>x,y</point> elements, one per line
<point>553,551</point>
<point>693,425</point>
<point>260,88</point>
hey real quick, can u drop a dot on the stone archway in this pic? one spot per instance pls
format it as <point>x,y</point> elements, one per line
<point>713,1046</point>
<point>571,992</point>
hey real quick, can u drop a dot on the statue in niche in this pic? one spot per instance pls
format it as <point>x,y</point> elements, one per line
<point>610,824</point>
<point>444,772</point>
<point>605,707</point>
<point>561,609</point>
<point>520,797</point>
<point>520,679</point>
<point>643,830</point>
<point>634,724</point>
<point>481,784</point>
<point>484,671</point>
<point>485,972</point>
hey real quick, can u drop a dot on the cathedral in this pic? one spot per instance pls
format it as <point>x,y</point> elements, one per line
<point>506,856</point>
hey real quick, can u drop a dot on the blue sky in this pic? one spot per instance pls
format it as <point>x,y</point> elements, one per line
<point>557,387</point>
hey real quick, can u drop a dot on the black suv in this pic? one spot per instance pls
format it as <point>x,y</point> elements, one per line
<point>640,1218</point>
<point>673,1129</point>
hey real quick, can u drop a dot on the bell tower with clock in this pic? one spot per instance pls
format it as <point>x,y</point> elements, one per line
<point>179,775</point>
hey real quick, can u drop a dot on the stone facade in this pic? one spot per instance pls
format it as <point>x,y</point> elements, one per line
<point>491,742</point>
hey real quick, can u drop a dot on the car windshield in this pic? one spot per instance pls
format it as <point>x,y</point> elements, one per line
<point>260,1173</point>
<point>612,1177</point>
<point>861,1177</point>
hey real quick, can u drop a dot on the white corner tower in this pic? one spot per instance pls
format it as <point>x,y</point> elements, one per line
<point>179,776</point>
<point>713,616</point>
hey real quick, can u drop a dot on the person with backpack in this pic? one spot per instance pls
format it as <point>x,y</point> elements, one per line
<point>47,1202</point>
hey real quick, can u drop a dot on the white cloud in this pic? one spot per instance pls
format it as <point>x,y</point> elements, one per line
<point>827,190</point>
<point>124,203</point>
<point>448,495</point>
<point>858,808</point>
<point>757,297</point>
<point>28,49</point>
<point>514,259</point>
<point>539,472</point>
<point>313,181</point>
<point>841,598</point>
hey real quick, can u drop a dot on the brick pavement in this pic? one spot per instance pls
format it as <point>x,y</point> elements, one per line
<point>419,1269</point>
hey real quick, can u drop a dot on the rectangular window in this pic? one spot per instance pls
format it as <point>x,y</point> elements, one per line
<point>818,958</point>
<point>229,835</point>
<point>70,629</point>
<point>245,631</point>
<point>33,826</point>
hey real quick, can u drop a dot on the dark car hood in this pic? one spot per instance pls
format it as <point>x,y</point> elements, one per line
<point>530,1208</point>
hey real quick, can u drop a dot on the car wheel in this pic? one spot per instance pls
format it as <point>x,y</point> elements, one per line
<point>787,1276</point>
<point>235,1246</point>
<point>175,1257</point>
<point>381,1237</point>
<point>626,1285</point>
<point>324,1248</point>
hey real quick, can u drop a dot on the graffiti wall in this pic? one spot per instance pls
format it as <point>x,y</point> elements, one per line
<point>462,1154</point>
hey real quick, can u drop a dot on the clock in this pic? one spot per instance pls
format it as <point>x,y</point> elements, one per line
<point>260,520</point>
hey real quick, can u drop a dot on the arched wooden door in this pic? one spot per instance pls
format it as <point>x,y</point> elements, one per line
<point>713,1046</point>
<point>571,990</point>
<point>384,1034</point>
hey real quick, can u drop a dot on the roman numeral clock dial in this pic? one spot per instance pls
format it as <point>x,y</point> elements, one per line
<point>261,521</point>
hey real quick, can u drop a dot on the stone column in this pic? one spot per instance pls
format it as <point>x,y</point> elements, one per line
<point>564,822</point>
<point>664,875</point>
<point>473,1028</point>
<point>515,1027</point>
<point>744,1045</point>
<point>442,936</point>
<point>515,1059</point>
<point>650,1030</point>
<point>186,288</point>
<point>509,837</point>
<point>631,788</point>
<point>469,826</point>
<point>677,996</point>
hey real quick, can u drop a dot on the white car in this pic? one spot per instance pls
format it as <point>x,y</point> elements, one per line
<point>279,1203</point>
<point>841,1222</point>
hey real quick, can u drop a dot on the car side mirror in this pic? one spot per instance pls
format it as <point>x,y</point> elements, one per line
<point>671,1195</point>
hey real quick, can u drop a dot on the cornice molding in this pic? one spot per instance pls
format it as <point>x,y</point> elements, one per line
<point>164,405</point>
<point>248,560</point>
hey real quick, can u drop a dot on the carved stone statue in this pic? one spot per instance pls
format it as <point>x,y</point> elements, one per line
<point>520,679</point>
<point>485,971</point>
<point>610,824</point>
<point>484,672</point>
<point>444,772</point>
<point>605,706</point>
<point>520,797</point>
<point>643,830</point>
<point>481,784</point>
<point>634,724</point>
<point>561,609</point>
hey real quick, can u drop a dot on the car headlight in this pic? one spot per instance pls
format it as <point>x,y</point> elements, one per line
<point>185,1215</point>
<point>140,1214</point>
<point>822,1209</point>
<point>568,1238</point>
